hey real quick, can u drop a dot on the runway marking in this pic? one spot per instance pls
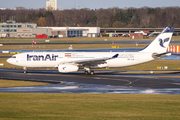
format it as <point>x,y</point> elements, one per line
<point>133,81</point>
<point>97,78</point>
<point>129,83</point>
<point>176,83</point>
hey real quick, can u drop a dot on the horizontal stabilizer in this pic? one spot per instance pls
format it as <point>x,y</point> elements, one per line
<point>157,56</point>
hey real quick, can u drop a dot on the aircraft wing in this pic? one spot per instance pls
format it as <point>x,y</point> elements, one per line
<point>92,62</point>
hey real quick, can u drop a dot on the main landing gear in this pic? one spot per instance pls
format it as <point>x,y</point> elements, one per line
<point>91,72</point>
<point>25,69</point>
<point>88,71</point>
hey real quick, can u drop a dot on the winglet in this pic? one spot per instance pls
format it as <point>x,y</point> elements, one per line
<point>115,56</point>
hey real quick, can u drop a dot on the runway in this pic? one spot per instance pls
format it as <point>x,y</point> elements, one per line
<point>101,82</point>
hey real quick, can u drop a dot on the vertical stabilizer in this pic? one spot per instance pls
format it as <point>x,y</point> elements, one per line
<point>161,42</point>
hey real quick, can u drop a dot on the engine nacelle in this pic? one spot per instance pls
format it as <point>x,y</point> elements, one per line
<point>65,68</point>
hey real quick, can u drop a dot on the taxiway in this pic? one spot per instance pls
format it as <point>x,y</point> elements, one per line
<point>101,82</point>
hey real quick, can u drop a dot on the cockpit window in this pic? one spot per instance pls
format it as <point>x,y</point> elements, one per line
<point>13,57</point>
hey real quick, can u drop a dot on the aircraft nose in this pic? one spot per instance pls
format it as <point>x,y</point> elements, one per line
<point>8,60</point>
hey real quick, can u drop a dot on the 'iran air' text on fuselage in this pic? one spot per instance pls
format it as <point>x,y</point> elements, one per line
<point>41,57</point>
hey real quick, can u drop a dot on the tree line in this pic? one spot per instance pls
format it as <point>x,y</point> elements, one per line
<point>144,17</point>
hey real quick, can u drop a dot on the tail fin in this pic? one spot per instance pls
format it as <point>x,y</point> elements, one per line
<point>161,42</point>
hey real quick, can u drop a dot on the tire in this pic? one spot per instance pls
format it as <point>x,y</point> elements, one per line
<point>89,72</point>
<point>86,72</point>
<point>92,72</point>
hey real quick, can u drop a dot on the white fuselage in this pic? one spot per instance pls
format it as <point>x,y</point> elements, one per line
<point>53,59</point>
<point>73,61</point>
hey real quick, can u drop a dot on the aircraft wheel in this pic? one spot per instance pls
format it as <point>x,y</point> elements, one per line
<point>86,72</point>
<point>91,72</point>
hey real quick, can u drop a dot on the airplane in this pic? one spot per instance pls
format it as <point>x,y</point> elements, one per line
<point>73,61</point>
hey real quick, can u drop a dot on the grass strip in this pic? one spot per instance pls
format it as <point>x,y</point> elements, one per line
<point>89,106</point>
<point>12,83</point>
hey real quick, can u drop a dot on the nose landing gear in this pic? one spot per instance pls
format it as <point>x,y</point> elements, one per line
<point>25,69</point>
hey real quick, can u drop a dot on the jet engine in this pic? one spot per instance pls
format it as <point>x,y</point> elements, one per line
<point>65,68</point>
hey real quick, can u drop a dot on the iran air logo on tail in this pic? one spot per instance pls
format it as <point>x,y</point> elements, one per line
<point>161,42</point>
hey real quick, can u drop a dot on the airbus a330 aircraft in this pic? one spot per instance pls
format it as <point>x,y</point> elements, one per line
<point>73,61</point>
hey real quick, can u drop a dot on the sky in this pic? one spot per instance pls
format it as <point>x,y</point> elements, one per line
<point>92,4</point>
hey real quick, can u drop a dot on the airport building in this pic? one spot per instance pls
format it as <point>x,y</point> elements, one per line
<point>21,30</point>
<point>74,31</point>
<point>30,30</point>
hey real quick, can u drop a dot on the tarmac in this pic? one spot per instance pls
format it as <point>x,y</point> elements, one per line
<point>100,82</point>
